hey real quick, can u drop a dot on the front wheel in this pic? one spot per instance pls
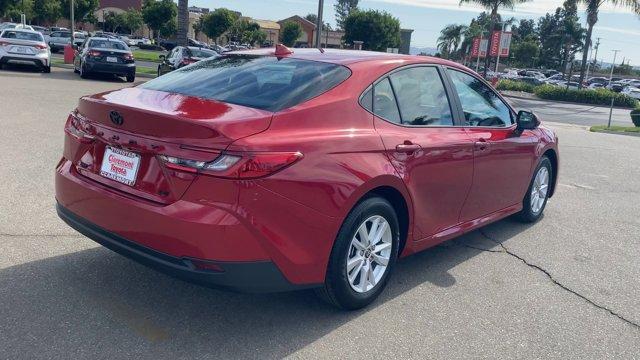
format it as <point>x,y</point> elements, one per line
<point>536,198</point>
<point>363,255</point>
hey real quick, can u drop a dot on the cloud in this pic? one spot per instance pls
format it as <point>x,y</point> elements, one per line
<point>536,7</point>
<point>616,30</point>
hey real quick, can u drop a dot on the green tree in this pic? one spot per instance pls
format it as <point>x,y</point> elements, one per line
<point>493,6</point>
<point>183,22</point>
<point>169,28</point>
<point>82,9</point>
<point>525,52</point>
<point>377,30</point>
<point>217,22</point>
<point>593,7</point>
<point>290,33</point>
<point>449,39</point>
<point>15,10</point>
<point>159,15</point>
<point>343,9</point>
<point>312,17</point>
<point>132,20</point>
<point>46,12</point>
<point>246,31</point>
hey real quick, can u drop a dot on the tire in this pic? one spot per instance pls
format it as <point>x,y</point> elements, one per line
<point>83,73</point>
<point>159,73</point>
<point>532,206</point>
<point>46,69</point>
<point>131,77</point>
<point>338,290</point>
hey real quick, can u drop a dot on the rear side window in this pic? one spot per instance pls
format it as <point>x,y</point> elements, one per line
<point>421,97</point>
<point>384,102</point>
<point>107,44</point>
<point>261,82</point>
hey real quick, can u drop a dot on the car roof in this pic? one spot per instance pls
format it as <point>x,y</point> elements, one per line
<point>344,57</point>
<point>23,30</point>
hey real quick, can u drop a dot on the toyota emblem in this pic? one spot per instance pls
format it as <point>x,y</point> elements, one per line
<point>116,118</point>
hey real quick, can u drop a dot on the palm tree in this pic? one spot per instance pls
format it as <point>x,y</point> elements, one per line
<point>493,6</point>
<point>450,38</point>
<point>183,22</point>
<point>593,6</point>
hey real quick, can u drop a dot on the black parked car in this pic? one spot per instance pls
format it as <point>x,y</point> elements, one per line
<point>181,56</point>
<point>105,55</point>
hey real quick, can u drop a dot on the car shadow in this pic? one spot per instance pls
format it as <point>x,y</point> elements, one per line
<point>95,300</point>
<point>23,70</point>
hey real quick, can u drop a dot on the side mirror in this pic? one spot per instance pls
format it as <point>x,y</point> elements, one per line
<point>526,120</point>
<point>161,57</point>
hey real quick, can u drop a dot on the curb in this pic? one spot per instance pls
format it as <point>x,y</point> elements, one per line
<point>70,67</point>
<point>564,102</point>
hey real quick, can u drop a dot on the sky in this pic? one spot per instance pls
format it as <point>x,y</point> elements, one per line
<point>617,27</point>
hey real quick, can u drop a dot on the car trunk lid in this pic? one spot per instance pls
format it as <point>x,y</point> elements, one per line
<point>132,127</point>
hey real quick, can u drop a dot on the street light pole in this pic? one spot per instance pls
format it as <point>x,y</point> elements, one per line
<point>73,23</point>
<point>319,24</point>
<point>615,53</point>
<point>479,51</point>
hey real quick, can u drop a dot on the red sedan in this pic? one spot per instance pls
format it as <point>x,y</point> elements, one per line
<point>271,171</point>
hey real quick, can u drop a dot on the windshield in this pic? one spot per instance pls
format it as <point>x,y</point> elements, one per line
<point>22,35</point>
<point>108,44</point>
<point>267,83</point>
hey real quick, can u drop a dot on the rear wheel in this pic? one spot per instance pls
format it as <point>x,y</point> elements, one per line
<point>363,255</point>
<point>83,73</point>
<point>159,74</point>
<point>46,69</point>
<point>536,198</point>
<point>131,77</point>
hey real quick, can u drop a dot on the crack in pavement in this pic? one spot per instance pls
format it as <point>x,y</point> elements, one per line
<point>36,235</point>
<point>548,274</point>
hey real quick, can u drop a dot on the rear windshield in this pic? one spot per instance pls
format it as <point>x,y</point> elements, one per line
<point>202,53</point>
<point>108,44</point>
<point>21,35</point>
<point>262,82</point>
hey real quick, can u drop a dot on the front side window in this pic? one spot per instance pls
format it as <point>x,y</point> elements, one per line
<point>421,97</point>
<point>481,105</point>
<point>262,82</point>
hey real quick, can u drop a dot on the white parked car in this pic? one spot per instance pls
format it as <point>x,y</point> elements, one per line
<point>24,46</point>
<point>631,91</point>
<point>137,41</point>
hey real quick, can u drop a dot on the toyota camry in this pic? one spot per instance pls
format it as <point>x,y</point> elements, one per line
<point>273,170</point>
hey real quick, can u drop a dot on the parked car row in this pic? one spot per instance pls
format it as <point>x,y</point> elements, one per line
<point>552,77</point>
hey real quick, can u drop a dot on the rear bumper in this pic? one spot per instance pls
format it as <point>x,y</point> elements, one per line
<point>117,69</point>
<point>37,60</point>
<point>255,277</point>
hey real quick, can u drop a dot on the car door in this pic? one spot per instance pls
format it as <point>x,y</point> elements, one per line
<point>502,157</point>
<point>428,150</point>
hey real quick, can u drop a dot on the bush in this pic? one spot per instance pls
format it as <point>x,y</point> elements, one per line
<point>635,116</point>
<point>150,47</point>
<point>596,97</point>
<point>511,85</point>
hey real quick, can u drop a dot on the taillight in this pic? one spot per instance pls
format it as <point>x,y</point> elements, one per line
<point>128,56</point>
<point>4,43</point>
<point>187,61</point>
<point>76,127</point>
<point>41,47</point>
<point>94,53</point>
<point>237,166</point>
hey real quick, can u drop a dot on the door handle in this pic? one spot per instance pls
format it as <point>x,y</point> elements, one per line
<point>481,144</point>
<point>408,147</point>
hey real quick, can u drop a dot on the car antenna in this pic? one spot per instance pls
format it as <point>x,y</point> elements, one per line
<point>282,50</point>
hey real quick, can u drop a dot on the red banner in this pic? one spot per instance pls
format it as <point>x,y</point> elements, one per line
<point>479,47</point>
<point>475,47</point>
<point>495,43</point>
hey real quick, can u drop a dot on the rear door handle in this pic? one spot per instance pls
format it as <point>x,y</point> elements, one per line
<point>481,144</point>
<point>408,147</point>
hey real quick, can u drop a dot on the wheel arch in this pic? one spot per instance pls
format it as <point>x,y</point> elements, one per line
<point>392,189</point>
<point>552,155</point>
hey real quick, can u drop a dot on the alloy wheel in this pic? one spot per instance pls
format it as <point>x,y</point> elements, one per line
<point>539,189</point>
<point>369,253</point>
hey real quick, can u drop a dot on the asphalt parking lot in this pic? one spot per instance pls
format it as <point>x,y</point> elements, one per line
<point>565,287</point>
